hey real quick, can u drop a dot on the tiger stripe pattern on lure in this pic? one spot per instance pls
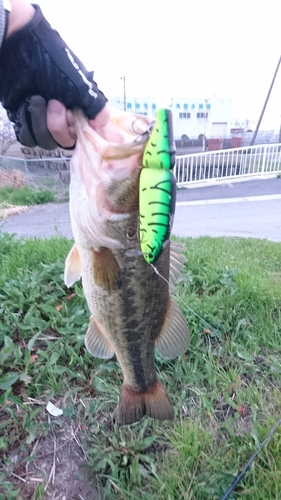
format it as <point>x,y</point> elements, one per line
<point>157,189</point>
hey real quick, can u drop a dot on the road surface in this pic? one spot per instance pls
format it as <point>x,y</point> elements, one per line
<point>244,209</point>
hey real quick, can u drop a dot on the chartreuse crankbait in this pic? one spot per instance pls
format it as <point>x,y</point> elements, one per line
<point>157,188</point>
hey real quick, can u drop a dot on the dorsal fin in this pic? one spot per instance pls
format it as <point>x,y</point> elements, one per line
<point>174,337</point>
<point>177,261</point>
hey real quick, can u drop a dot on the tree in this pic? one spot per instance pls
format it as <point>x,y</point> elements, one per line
<point>7,134</point>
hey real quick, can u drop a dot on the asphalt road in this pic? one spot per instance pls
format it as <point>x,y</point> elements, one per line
<point>248,219</point>
<point>245,209</point>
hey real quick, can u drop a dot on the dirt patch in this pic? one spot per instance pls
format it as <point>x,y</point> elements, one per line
<point>57,464</point>
<point>13,178</point>
<point>276,276</point>
<point>224,411</point>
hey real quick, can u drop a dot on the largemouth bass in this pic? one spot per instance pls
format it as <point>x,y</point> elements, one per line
<point>131,307</point>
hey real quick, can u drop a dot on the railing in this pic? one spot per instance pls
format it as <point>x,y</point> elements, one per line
<point>257,161</point>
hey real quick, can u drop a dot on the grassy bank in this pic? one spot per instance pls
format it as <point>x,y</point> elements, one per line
<point>225,389</point>
<point>25,196</point>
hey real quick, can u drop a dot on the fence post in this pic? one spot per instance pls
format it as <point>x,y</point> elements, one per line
<point>25,166</point>
<point>264,159</point>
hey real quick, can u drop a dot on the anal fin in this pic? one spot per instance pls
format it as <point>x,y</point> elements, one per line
<point>174,337</point>
<point>96,343</point>
<point>106,269</point>
<point>134,405</point>
<point>72,268</point>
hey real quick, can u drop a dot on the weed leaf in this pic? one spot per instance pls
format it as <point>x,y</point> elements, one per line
<point>7,380</point>
<point>33,340</point>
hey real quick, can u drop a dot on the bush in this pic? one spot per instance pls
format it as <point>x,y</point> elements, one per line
<point>25,196</point>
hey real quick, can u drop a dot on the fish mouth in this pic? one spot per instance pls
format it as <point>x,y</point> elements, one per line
<point>122,151</point>
<point>142,136</point>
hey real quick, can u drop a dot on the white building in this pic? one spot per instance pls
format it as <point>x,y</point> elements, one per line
<point>191,116</point>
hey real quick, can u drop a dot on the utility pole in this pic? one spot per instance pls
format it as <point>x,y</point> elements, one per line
<point>124,92</point>
<point>205,122</point>
<point>265,104</point>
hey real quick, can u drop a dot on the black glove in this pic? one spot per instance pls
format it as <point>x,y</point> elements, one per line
<point>35,61</point>
<point>30,124</point>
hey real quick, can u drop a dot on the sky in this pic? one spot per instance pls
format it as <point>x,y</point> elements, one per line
<point>179,48</point>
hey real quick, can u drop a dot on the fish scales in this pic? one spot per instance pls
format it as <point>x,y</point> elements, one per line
<point>138,306</point>
<point>130,303</point>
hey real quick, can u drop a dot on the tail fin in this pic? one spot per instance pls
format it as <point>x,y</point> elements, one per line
<point>153,403</point>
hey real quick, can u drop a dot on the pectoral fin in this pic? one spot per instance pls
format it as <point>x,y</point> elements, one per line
<point>106,269</point>
<point>72,268</point>
<point>174,337</point>
<point>96,343</point>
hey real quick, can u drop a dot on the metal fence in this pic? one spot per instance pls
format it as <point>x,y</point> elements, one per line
<point>257,161</point>
<point>48,173</point>
<point>53,173</point>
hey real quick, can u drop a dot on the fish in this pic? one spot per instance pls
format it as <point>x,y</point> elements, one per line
<point>130,303</point>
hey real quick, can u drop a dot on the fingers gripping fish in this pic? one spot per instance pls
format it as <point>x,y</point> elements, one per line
<point>130,304</point>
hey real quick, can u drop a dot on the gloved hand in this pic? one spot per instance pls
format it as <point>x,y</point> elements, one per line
<point>36,66</point>
<point>30,124</point>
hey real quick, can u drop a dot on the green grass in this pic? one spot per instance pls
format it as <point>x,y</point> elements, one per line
<point>25,196</point>
<point>225,389</point>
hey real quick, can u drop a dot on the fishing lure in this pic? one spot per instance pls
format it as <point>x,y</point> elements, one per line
<point>157,198</point>
<point>157,188</point>
<point>160,149</point>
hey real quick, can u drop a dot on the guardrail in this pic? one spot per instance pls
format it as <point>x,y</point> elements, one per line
<point>242,162</point>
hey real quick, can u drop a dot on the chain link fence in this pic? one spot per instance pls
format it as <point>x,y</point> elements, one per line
<point>47,173</point>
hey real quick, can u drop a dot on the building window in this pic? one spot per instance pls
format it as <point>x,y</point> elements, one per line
<point>202,115</point>
<point>185,106</point>
<point>184,115</point>
<point>200,106</point>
